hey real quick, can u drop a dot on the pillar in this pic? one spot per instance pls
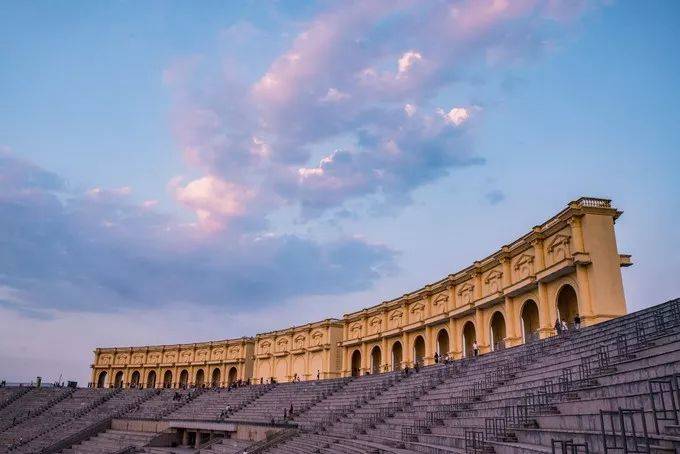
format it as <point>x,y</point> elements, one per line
<point>584,302</point>
<point>454,339</point>
<point>429,343</point>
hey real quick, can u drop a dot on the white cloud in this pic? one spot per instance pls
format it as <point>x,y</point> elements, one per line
<point>407,60</point>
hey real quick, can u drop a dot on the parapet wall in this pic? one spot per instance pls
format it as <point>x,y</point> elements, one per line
<point>566,266</point>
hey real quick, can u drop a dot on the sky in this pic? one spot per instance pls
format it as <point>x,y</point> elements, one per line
<point>178,172</point>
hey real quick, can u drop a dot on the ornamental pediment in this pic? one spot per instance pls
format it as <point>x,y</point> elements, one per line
<point>524,259</point>
<point>317,338</point>
<point>557,241</point>
<point>493,275</point>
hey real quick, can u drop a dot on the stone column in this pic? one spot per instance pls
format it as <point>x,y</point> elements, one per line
<point>481,331</point>
<point>429,343</point>
<point>454,339</point>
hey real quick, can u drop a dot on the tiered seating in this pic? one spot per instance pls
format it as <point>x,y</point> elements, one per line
<point>111,441</point>
<point>211,403</point>
<point>112,405</point>
<point>525,399</point>
<point>31,404</point>
<point>163,402</point>
<point>9,395</point>
<point>64,409</point>
<point>227,446</point>
<point>301,395</point>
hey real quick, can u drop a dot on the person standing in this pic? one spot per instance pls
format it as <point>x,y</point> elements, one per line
<point>475,348</point>
<point>577,321</point>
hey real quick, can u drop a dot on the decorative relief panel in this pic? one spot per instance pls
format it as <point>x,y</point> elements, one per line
<point>265,347</point>
<point>439,303</point>
<point>201,355</point>
<point>121,359</point>
<point>154,357</point>
<point>355,330</point>
<point>185,356</point>
<point>558,248</point>
<point>493,281</point>
<point>466,293</point>
<point>105,360</point>
<point>524,266</point>
<point>375,325</point>
<point>417,310</point>
<point>282,345</point>
<point>217,353</point>
<point>138,358</point>
<point>317,338</point>
<point>234,351</point>
<point>396,318</point>
<point>169,357</point>
<point>299,342</point>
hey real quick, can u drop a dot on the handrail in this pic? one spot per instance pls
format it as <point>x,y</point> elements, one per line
<point>263,445</point>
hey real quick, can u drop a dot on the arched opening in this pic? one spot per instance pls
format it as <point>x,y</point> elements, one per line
<point>530,321</point>
<point>497,331</point>
<point>419,350</point>
<point>356,363</point>
<point>101,381</point>
<point>200,378</point>
<point>376,359</point>
<point>167,379</point>
<point>396,356</point>
<point>567,304</point>
<point>233,373</point>
<point>151,380</point>
<point>134,380</point>
<point>184,379</point>
<point>443,343</point>
<point>216,375</point>
<point>118,380</point>
<point>469,337</point>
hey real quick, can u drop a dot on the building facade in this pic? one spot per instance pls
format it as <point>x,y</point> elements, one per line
<point>566,266</point>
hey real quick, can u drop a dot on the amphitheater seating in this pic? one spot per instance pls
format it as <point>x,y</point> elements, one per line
<point>301,396</point>
<point>111,441</point>
<point>564,395</point>
<point>525,399</point>
<point>211,403</point>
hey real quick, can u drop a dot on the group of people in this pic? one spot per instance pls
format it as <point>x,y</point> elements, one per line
<point>288,413</point>
<point>561,327</point>
<point>226,412</point>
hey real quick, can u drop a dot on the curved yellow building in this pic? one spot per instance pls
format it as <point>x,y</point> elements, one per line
<point>566,266</point>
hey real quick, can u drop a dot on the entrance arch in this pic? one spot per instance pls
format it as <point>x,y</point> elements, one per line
<point>397,355</point>
<point>356,363</point>
<point>232,376</point>
<point>216,376</point>
<point>167,379</point>
<point>134,381</point>
<point>469,336</point>
<point>101,381</point>
<point>530,321</point>
<point>419,350</point>
<point>567,304</point>
<point>200,378</point>
<point>184,379</point>
<point>118,380</point>
<point>151,380</point>
<point>376,359</point>
<point>442,342</point>
<point>497,331</point>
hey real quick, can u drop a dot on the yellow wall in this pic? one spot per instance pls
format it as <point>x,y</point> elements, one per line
<point>575,248</point>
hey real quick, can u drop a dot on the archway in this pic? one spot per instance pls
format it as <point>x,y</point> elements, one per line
<point>396,356</point>
<point>118,380</point>
<point>184,379</point>
<point>419,350</point>
<point>233,373</point>
<point>356,363</point>
<point>469,337</point>
<point>167,379</point>
<point>134,380</point>
<point>497,331</point>
<point>376,359</point>
<point>567,304</point>
<point>151,380</point>
<point>443,342</point>
<point>200,378</point>
<point>530,321</point>
<point>216,375</point>
<point>101,381</point>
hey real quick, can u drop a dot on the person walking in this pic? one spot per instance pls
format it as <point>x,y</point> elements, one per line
<point>558,327</point>
<point>436,357</point>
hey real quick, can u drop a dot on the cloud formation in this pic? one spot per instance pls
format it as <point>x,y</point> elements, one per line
<point>349,110</point>
<point>101,251</point>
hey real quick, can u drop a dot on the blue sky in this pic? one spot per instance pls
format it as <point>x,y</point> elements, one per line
<point>172,173</point>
